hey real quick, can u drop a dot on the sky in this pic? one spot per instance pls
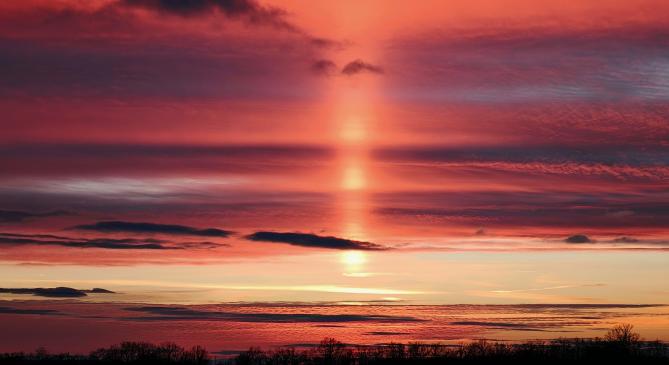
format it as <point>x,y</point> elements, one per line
<point>208,152</point>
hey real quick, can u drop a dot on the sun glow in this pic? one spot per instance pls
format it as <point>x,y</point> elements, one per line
<point>353,130</point>
<point>353,258</point>
<point>354,178</point>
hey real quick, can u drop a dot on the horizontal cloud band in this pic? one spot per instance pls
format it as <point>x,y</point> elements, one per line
<point>312,240</point>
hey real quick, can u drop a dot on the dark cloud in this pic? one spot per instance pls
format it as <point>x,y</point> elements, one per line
<point>247,10</point>
<point>9,310</point>
<point>609,155</point>
<point>13,239</point>
<point>323,67</point>
<point>325,43</point>
<point>312,240</point>
<point>59,159</point>
<point>625,239</point>
<point>130,151</point>
<point>107,243</point>
<point>142,227</point>
<point>21,235</point>
<point>579,238</point>
<point>59,49</point>
<point>359,66</point>
<point>186,314</point>
<point>574,211</point>
<point>14,216</point>
<point>385,333</point>
<point>149,69</point>
<point>58,292</point>
<point>507,325</point>
<point>537,64</point>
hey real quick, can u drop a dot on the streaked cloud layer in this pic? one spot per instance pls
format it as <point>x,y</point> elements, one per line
<point>303,322</point>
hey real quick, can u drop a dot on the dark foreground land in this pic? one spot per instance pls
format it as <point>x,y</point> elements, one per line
<point>620,346</point>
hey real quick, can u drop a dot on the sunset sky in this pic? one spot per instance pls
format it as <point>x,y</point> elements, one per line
<point>366,153</point>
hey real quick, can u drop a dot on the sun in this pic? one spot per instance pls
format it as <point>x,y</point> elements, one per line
<point>353,258</point>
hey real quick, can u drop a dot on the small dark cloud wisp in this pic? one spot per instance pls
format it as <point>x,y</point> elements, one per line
<point>312,240</point>
<point>15,216</point>
<point>9,310</point>
<point>625,239</point>
<point>323,67</point>
<point>579,238</point>
<point>385,333</point>
<point>143,227</point>
<point>359,66</point>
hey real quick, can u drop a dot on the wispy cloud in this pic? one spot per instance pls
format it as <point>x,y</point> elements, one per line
<point>13,216</point>
<point>45,312</point>
<point>557,287</point>
<point>14,239</point>
<point>153,228</point>
<point>523,63</point>
<point>164,313</point>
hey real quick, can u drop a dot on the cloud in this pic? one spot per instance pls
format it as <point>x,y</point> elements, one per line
<point>511,325</point>
<point>70,48</point>
<point>604,154</point>
<point>557,287</point>
<point>58,292</point>
<point>185,314</point>
<point>572,211</point>
<point>312,240</point>
<point>123,159</point>
<point>247,10</point>
<point>13,239</point>
<point>9,310</point>
<point>385,333</point>
<point>527,64</point>
<point>14,216</point>
<point>142,227</point>
<point>585,306</point>
<point>625,239</point>
<point>323,67</point>
<point>359,66</point>
<point>579,238</point>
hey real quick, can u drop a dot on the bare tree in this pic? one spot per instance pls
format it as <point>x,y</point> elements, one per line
<point>623,334</point>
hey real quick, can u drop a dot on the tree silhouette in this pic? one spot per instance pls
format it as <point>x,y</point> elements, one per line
<point>623,334</point>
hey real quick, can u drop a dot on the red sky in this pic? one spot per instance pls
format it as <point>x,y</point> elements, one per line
<point>355,147</point>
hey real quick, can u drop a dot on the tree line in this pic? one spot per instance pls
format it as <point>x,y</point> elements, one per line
<point>620,345</point>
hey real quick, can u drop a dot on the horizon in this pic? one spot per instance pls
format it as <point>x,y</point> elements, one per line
<point>370,163</point>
